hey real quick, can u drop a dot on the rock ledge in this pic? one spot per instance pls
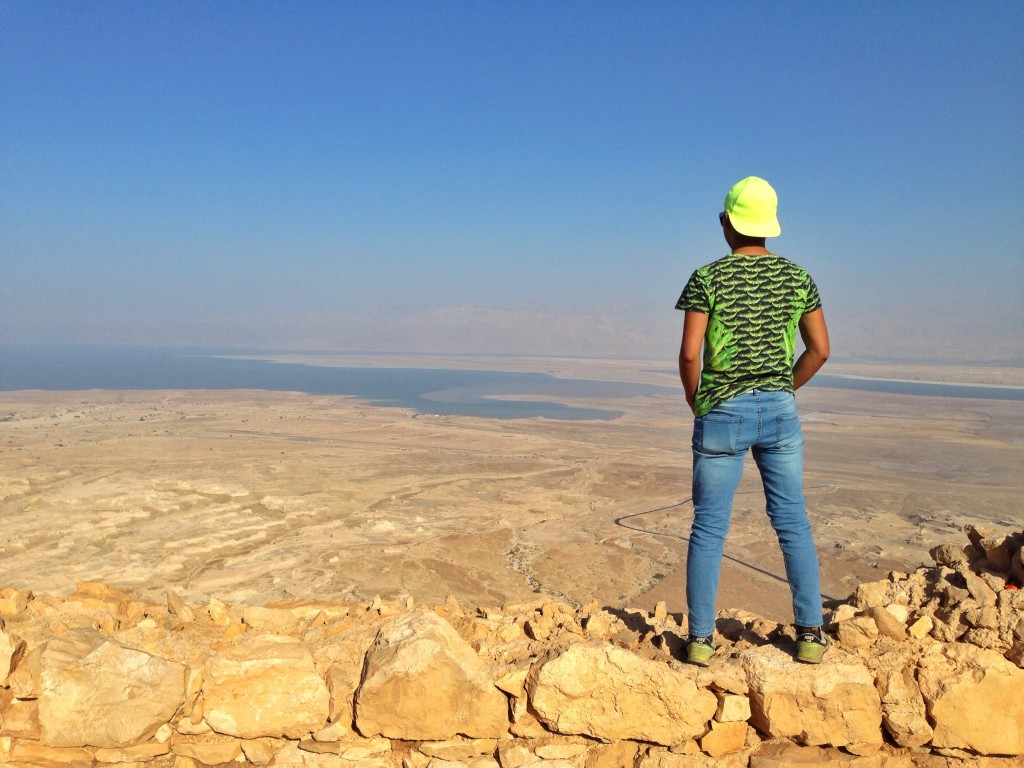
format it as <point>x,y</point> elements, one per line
<point>99,677</point>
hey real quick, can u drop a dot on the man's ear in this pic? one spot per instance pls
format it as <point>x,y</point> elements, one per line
<point>727,230</point>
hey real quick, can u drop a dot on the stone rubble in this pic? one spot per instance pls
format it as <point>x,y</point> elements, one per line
<point>925,671</point>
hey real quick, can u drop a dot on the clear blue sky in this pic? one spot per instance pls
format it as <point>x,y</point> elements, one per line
<point>511,177</point>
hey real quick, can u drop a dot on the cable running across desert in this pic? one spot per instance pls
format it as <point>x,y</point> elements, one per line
<point>619,521</point>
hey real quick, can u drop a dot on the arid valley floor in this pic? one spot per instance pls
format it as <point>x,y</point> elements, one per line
<point>261,496</point>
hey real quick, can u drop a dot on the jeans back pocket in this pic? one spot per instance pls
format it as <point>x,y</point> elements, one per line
<point>716,433</point>
<point>787,429</point>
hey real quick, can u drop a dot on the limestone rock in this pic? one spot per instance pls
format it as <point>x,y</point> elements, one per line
<point>277,620</point>
<point>997,552</point>
<point>975,533</point>
<point>260,751</point>
<point>339,731</point>
<point>310,609</point>
<point>560,751</point>
<point>539,627</point>
<point>732,709</point>
<point>725,675</point>
<point>514,682</point>
<point>265,685</point>
<point>899,612</point>
<point>94,595</point>
<point>355,749</point>
<point>859,632</point>
<point>871,594</point>
<point>343,645</point>
<point>841,613</point>
<point>12,648</point>
<point>1016,652</point>
<point>1017,564</point>
<point>18,718</point>
<point>948,554</point>
<point>688,747</point>
<point>139,753</point>
<point>291,756</point>
<point>219,612</point>
<point>599,624</point>
<point>964,681</point>
<point>26,753</point>
<point>920,628</point>
<point>524,724</point>
<point>614,755</point>
<point>724,738</point>
<point>510,632</point>
<point>903,710</point>
<point>460,749</point>
<point>888,625</point>
<point>13,602</point>
<point>834,703</point>
<point>24,680</point>
<point>788,755</point>
<point>662,758</point>
<point>342,683</point>
<point>513,754</point>
<point>609,693</point>
<point>178,608</point>
<point>207,749</point>
<point>366,751</point>
<point>422,682</point>
<point>978,588</point>
<point>95,692</point>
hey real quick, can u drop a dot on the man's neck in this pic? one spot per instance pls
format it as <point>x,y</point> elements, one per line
<point>751,250</point>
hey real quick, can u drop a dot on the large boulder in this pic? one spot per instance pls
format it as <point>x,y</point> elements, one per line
<point>833,703</point>
<point>423,682</point>
<point>609,693</point>
<point>95,692</point>
<point>974,699</point>
<point>265,685</point>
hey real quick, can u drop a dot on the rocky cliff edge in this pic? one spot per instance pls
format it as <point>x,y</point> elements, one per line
<point>925,670</point>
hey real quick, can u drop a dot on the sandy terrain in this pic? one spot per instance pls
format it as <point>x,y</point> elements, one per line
<point>261,496</point>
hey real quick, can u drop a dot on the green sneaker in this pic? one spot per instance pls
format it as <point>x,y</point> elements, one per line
<point>699,650</point>
<point>811,644</point>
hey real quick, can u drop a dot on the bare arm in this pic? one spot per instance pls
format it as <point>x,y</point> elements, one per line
<point>694,326</point>
<point>814,332</point>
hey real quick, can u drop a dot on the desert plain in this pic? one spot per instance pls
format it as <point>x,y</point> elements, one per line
<point>255,496</point>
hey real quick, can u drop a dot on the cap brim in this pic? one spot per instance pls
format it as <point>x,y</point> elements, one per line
<point>758,228</point>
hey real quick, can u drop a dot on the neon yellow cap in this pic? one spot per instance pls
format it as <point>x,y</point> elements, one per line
<point>752,205</point>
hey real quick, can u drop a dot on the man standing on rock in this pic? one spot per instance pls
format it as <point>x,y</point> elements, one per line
<point>745,309</point>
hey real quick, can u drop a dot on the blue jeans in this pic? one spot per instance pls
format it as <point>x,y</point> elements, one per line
<point>767,423</point>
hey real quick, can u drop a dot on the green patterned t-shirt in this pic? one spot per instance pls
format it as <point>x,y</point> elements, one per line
<point>754,305</point>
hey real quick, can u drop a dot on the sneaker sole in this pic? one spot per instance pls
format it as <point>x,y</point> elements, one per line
<point>814,657</point>
<point>700,659</point>
<point>808,661</point>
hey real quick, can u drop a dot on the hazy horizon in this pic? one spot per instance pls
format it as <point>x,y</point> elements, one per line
<point>536,179</point>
